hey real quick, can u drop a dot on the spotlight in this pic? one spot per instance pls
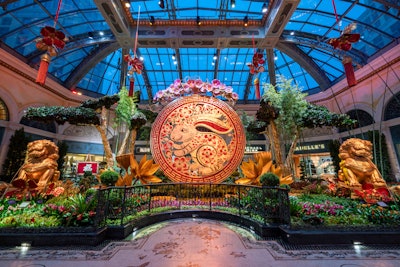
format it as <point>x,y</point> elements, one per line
<point>233,3</point>
<point>127,4</point>
<point>264,8</point>
<point>215,57</point>
<point>198,21</point>
<point>246,21</point>
<point>173,57</point>
<point>90,34</point>
<point>161,4</point>
<point>152,20</point>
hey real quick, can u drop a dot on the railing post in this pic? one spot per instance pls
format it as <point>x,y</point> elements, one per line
<point>123,206</point>
<point>209,196</point>
<point>149,198</point>
<point>239,204</point>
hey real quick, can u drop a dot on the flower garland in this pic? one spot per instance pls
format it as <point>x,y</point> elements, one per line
<point>196,86</point>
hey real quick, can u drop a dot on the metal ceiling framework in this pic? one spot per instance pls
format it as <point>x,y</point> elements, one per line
<point>265,33</point>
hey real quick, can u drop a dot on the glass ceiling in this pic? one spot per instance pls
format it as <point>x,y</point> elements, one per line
<point>175,46</point>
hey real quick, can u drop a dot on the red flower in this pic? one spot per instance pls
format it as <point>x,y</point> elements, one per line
<point>79,217</point>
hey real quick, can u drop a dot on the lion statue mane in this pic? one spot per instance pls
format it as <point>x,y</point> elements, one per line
<point>356,166</point>
<point>40,163</point>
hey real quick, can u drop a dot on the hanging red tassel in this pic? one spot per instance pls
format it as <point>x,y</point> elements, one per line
<point>257,87</point>
<point>131,86</point>
<point>349,71</point>
<point>44,66</point>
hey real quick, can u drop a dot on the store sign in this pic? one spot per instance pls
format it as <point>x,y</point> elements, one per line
<point>82,167</point>
<point>312,147</point>
<point>254,148</point>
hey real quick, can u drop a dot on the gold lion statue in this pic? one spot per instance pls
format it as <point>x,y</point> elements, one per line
<point>40,163</point>
<point>356,166</point>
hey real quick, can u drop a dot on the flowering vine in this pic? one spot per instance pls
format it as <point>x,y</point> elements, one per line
<point>196,86</point>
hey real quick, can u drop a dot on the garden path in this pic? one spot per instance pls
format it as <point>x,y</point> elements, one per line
<point>199,243</point>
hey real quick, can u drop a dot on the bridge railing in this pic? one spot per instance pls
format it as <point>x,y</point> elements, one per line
<point>267,205</point>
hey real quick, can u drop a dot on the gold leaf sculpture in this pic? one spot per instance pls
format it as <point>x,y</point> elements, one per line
<point>144,170</point>
<point>262,163</point>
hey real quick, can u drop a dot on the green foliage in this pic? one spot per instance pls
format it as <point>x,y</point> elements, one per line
<point>138,119</point>
<point>294,111</point>
<point>269,179</point>
<point>105,101</point>
<point>333,146</point>
<point>59,114</point>
<point>246,121</point>
<point>144,133</point>
<point>318,116</point>
<point>381,154</point>
<point>15,154</point>
<point>150,115</point>
<point>62,151</point>
<point>109,177</point>
<point>125,108</point>
<point>290,101</point>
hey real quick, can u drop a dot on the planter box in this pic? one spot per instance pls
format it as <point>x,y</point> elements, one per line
<point>340,236</point>
<point>52,236</point>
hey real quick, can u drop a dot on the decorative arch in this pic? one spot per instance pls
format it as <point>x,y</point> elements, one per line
<point>362,117</point>
<point>4,113</point>
<point>392,109</point>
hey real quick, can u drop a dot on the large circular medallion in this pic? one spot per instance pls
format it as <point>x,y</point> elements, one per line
<point>198,139</point>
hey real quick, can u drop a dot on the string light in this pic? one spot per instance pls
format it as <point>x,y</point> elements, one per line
<point>152,20</point>
<point>198,21</point>
<point>264,8</point>
<point>246,21</point>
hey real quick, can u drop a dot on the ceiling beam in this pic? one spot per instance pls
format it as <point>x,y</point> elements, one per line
<point>306,62</point>
<point>95,57</point>
<point>271,66</point>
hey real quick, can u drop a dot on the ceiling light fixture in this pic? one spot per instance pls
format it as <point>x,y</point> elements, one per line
<point>173,57</point>
<point>161,4</point>
<point>90,34</point>
<point>233,3</point>
<point>198,21</point>
<point>264,8</point>
<point>215,57</point>
<point>127,4</point>
<point>246,21</point>
<point>152,20</point>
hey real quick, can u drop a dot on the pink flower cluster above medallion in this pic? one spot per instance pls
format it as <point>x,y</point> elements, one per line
<point>196,86</point>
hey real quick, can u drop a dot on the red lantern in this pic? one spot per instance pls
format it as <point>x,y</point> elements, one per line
<point>131,86</point>
<point>257,87</point>
<point>349,71</point>
<point>44,66</point>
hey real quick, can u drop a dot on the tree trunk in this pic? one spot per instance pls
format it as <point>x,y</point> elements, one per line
<point>124,144</point>
<point>102,128</point>
<point>275,143</point>
<point>133,141</point>
<point>289,166</point>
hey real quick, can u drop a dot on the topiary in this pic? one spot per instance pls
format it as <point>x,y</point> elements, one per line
<point>109,177</point>
<point>269,179</point>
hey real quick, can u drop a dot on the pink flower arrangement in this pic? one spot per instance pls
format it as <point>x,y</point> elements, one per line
<point>196,86</point>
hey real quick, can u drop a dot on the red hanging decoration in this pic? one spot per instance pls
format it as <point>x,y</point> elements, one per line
<point>257,88</point>
<point>51,41</point>
<point>44,66</point>
<point>349,71</point>
<point>131,86</point>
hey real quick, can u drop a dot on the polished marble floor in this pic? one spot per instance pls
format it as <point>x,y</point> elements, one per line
<point>199,243</point>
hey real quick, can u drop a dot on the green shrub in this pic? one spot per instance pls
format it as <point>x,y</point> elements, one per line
<point>109,177</point>
<point>269,179</point>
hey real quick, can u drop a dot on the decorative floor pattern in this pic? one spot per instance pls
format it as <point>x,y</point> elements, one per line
<point>194,243</point>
